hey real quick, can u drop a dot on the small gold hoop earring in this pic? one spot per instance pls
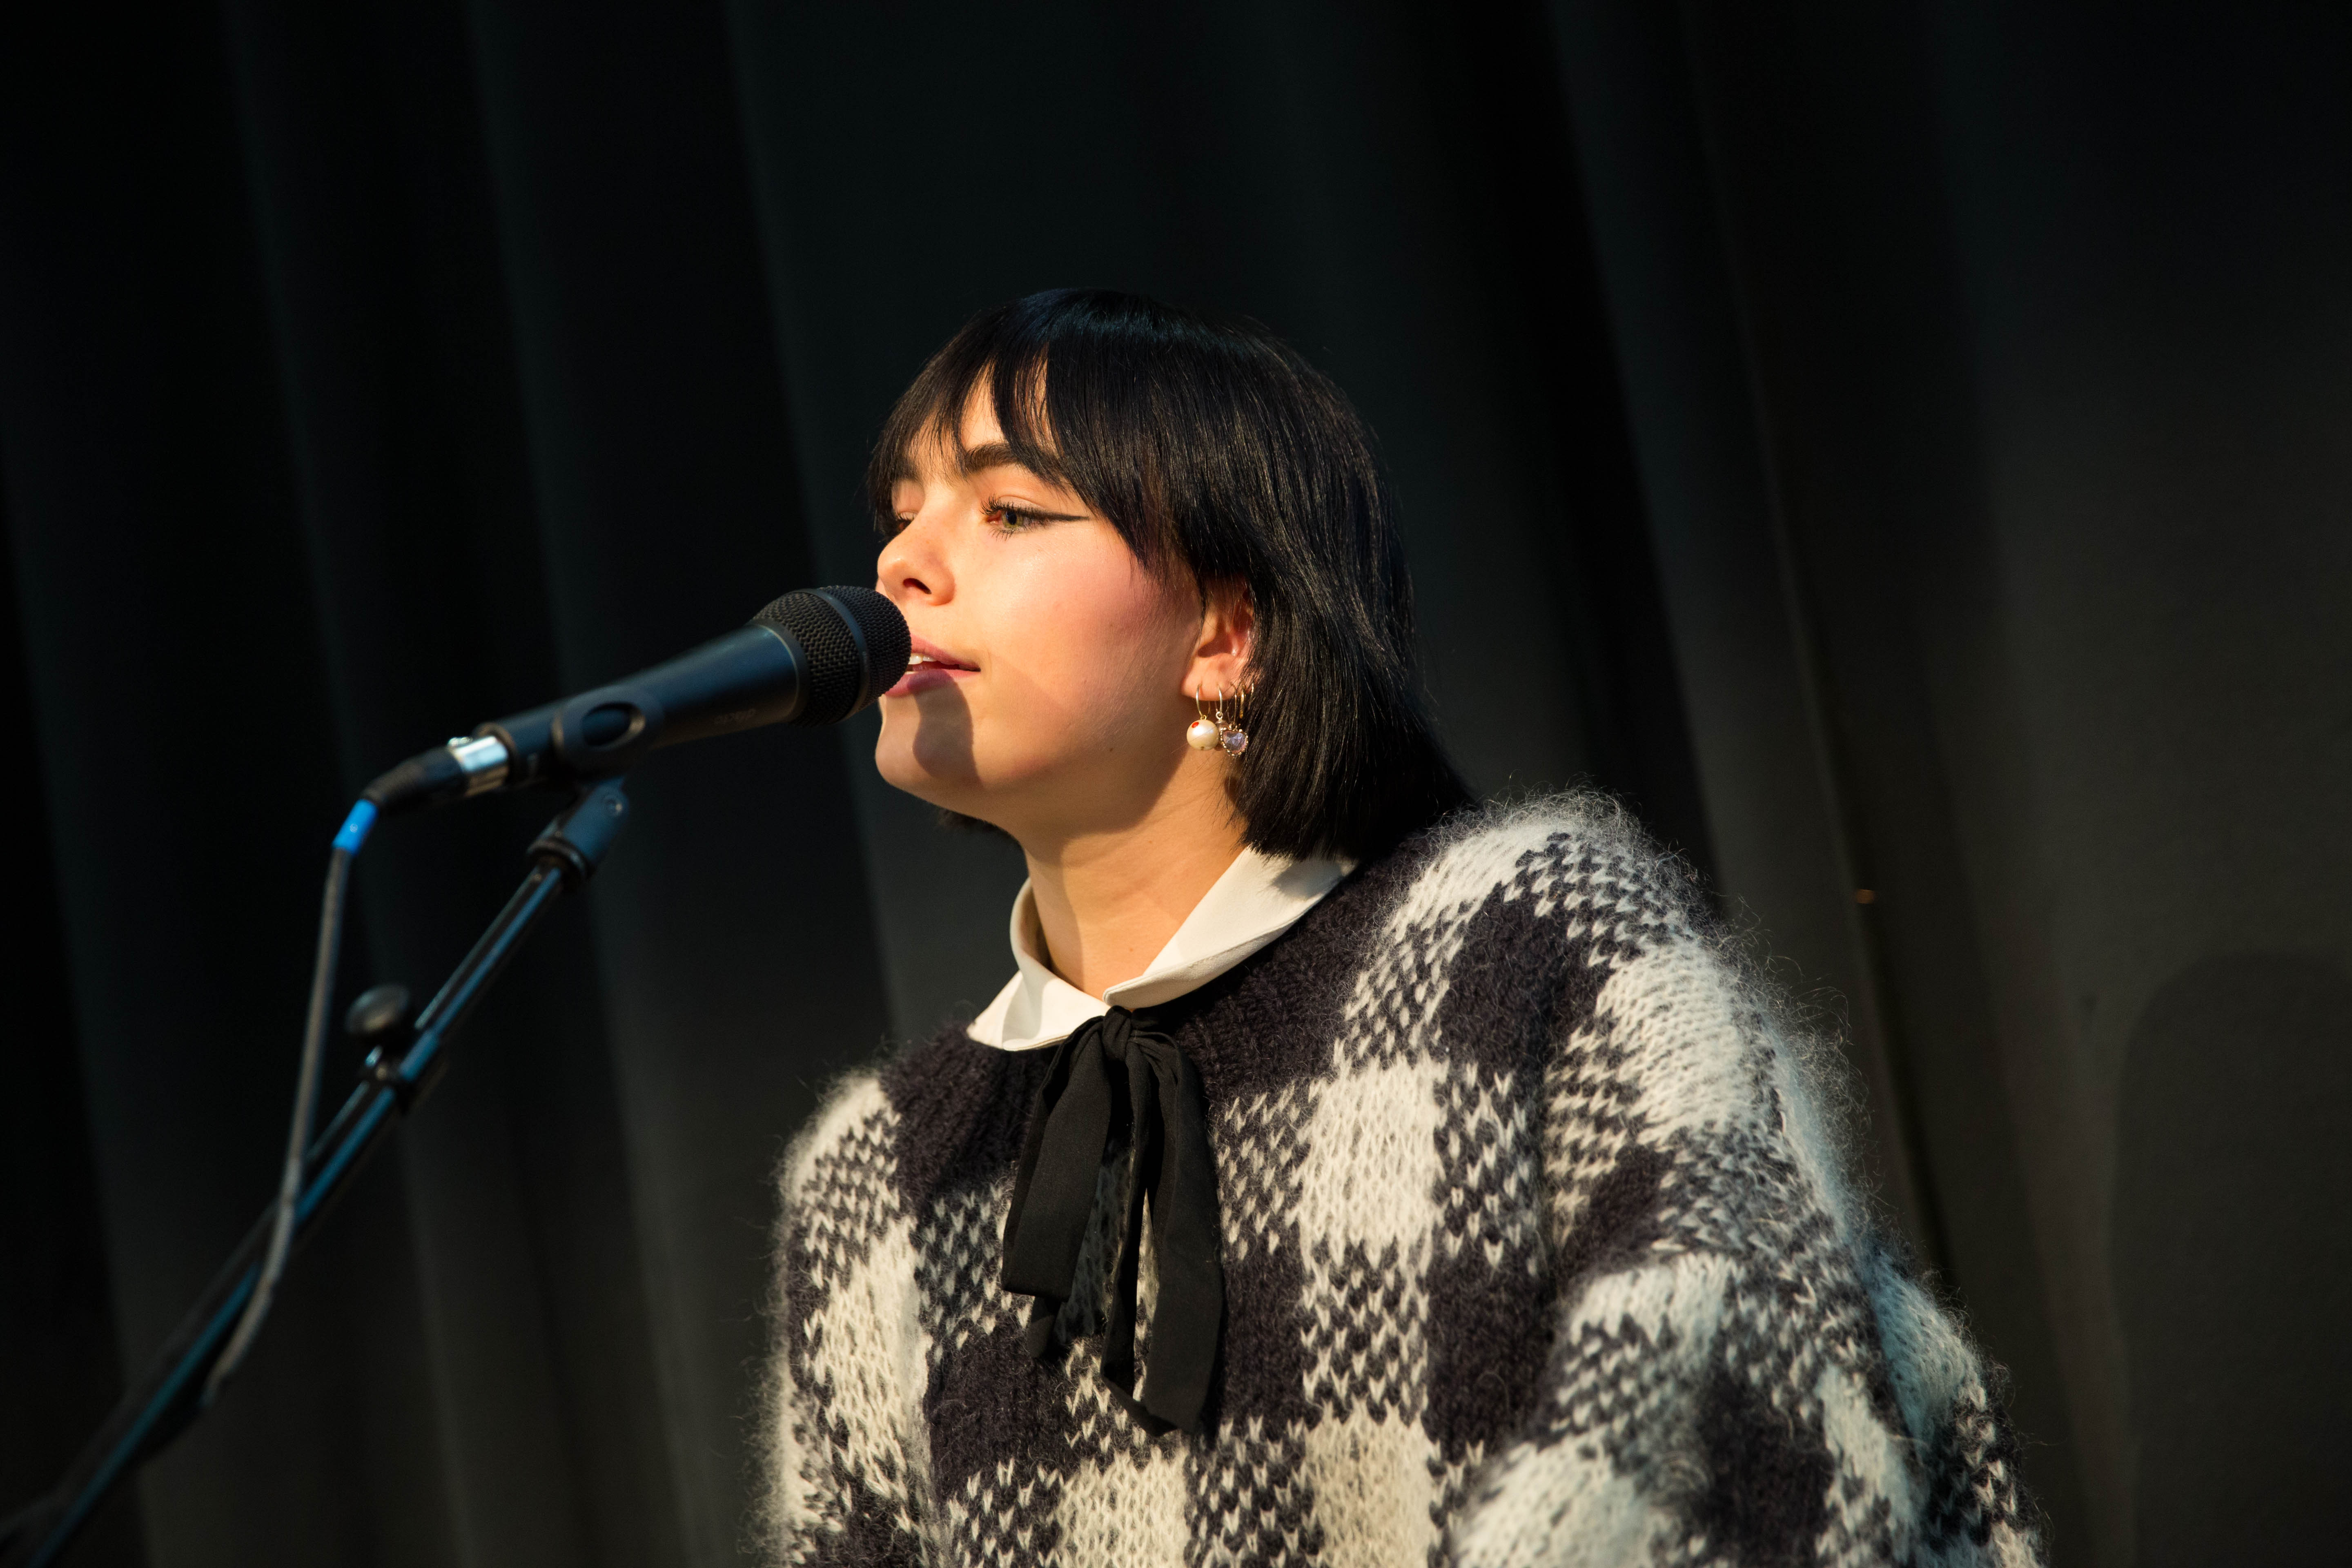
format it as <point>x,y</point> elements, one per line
<point>1231,735</point>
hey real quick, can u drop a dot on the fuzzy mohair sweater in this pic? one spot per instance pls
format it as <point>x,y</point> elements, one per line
<point>1538,1247</point>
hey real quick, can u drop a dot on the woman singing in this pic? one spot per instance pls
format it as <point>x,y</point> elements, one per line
<point>1347,1171</point>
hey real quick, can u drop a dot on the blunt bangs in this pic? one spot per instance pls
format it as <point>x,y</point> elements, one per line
<point>1216,450</point>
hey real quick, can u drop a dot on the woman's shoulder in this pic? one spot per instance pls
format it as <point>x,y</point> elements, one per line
<point>853,1114</point>
<point>1513,936</point>
<point>904,1121</point>
<point>1577,857</point>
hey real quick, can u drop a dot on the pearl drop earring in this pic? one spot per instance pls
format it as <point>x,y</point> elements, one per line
<point>1203,734</point>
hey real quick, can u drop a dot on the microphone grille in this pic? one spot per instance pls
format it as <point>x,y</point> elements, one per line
<point>855,641</point>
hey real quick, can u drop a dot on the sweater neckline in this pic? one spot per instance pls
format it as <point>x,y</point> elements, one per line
<point>1257,899</point>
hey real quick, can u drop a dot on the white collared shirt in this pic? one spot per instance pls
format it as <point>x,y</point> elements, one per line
<point>1257,899</point>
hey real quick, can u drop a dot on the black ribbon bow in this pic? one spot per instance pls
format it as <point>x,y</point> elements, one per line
<point>1079,1108</point>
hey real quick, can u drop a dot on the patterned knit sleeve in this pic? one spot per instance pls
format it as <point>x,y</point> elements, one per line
<point>1739,1369</point>
<point>842,1458</point>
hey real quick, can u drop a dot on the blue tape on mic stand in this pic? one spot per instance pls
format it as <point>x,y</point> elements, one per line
<point>354,831</point>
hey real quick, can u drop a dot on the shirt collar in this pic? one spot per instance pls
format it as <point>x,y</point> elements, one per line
<point>1259,898</point>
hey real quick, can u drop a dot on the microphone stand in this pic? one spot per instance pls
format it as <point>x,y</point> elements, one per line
<point>170,1397</point>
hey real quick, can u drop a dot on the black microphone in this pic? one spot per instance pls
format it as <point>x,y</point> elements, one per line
<point>814,657</point>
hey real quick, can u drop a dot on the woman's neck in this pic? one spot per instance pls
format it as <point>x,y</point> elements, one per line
<point>1108,902</point>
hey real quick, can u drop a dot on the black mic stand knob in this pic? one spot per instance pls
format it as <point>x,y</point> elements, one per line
<point>379,1020</point>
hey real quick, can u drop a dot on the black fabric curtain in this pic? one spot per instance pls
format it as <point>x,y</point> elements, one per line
<point>1895,449</point>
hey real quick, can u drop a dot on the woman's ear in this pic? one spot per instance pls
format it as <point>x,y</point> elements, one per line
<point>1220,654</point>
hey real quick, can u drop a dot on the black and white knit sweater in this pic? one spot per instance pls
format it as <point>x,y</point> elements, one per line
<point>1537,1248</point>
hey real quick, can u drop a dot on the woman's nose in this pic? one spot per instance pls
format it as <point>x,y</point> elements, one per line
<point>912,569</point>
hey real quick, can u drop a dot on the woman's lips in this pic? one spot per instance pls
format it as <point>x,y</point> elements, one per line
<point>925,678</point>
<point>929,666</point>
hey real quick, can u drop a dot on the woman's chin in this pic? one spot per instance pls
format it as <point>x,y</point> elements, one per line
<point>904,768</point>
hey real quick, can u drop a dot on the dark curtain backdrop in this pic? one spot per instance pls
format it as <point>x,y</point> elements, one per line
<point>1900,448</point>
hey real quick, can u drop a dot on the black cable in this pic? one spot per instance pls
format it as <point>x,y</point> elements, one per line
<point>306,1095</point>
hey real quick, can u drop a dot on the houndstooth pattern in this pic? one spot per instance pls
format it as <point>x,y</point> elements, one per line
<point>1450,1480</point>
<point>1004,1517</point>
<point>1797,1307</point>
<point>1254,1508</point>
<point>1611,1383</point>
<point>1365,1321</point>
<point>838,1452</point>
<point>1488,1191</point>
<point>1260,1149</point>
<point>1532,1254</point>
<point>1102,1431</point>
<point>958,1251</point>
<point>1978,1489</point>
<point>1589,1094</point>
<point>850,1199</point>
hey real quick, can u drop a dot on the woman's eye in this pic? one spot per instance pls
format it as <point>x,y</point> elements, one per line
<point>1011,518</point>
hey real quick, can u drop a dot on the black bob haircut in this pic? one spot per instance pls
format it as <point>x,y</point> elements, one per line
<point>1216,450</point>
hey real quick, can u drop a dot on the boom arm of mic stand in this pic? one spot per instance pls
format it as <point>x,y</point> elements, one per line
<point>169,1399</point>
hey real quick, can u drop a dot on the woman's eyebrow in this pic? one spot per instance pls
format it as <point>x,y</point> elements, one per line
<point>993,455</point>
<point>1005,455</point>
<point>1039,462</point>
